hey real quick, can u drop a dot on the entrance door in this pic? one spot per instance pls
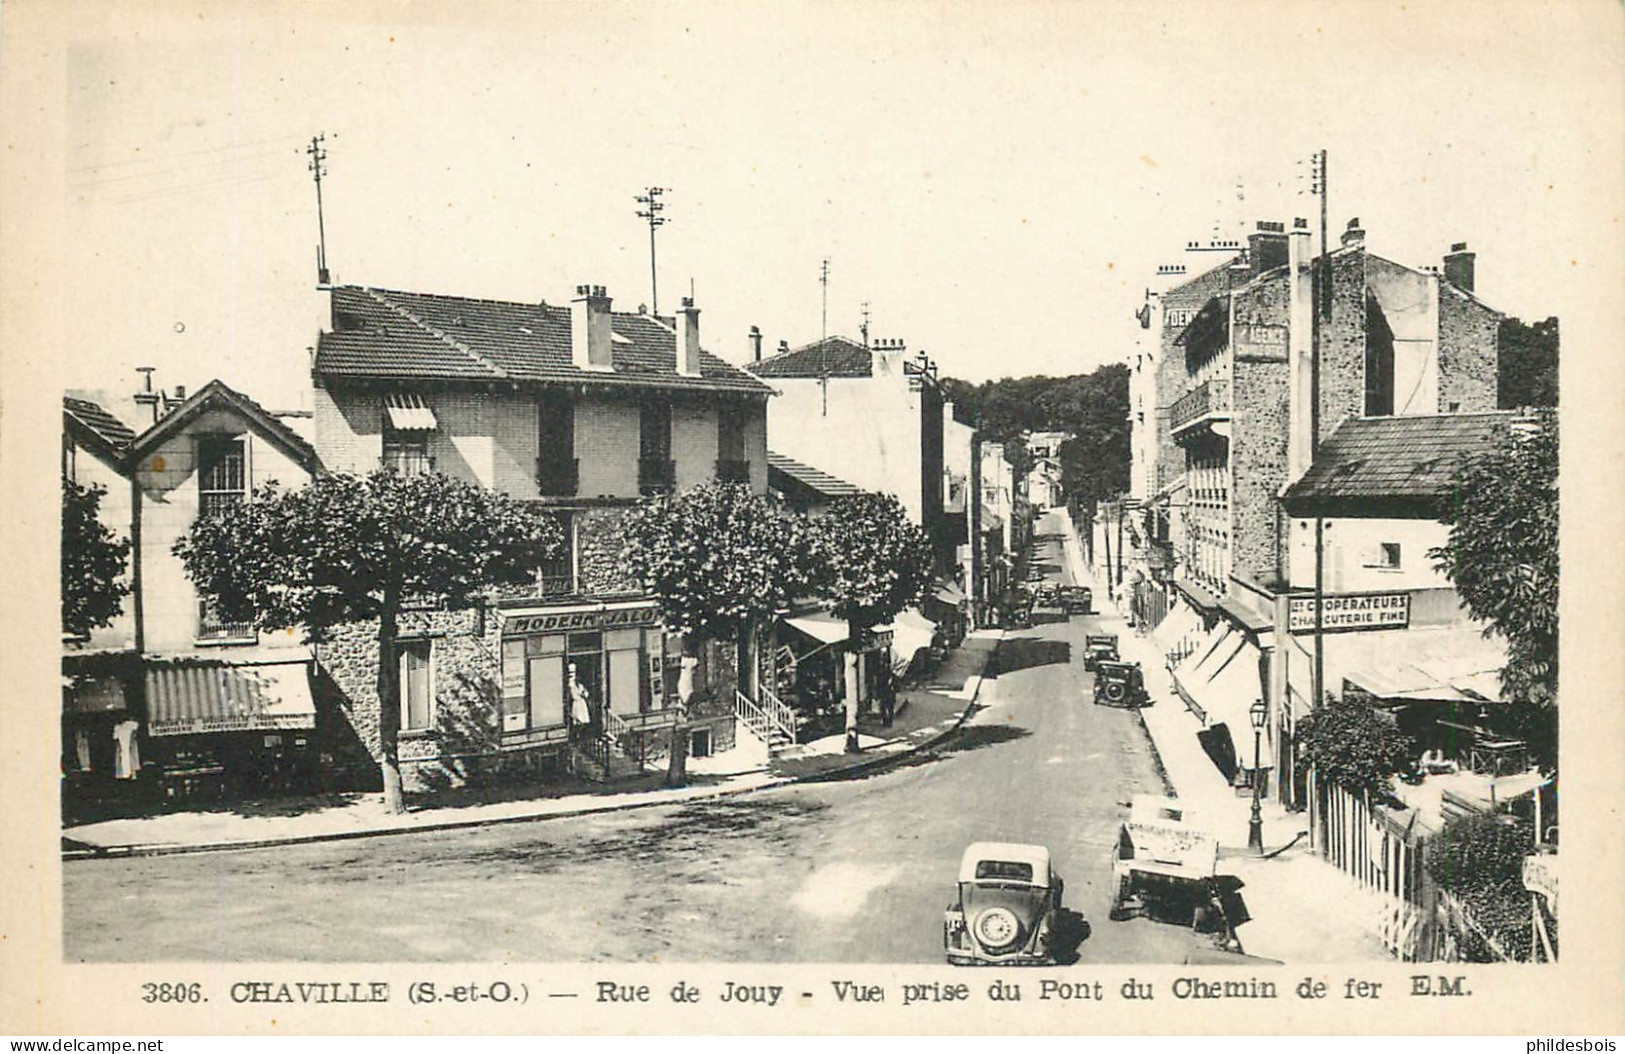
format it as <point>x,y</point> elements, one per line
<point>586,656</point>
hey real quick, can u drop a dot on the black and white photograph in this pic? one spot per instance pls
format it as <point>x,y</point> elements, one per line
<point>821,497</point>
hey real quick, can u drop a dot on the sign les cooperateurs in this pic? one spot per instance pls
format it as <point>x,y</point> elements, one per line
<point>1343,613</point>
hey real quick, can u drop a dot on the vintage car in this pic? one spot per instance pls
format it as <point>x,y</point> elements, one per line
<point>1098,647</point>
<point>1047,594</point>
<point>1165,864</point>
<point>1007,909</point>
<point>1077,600</point>
<point>1120,684</point>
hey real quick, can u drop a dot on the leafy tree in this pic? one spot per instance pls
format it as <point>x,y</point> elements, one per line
<point>1480,859</point>
<point>352,548</point>
<point>1526,371</point>
<point>1354,746</point>
<point>873,564</point>
<point>1502,556</point>
<point>1093,407</point>
<point>92,562</point>
<point>719,560</point>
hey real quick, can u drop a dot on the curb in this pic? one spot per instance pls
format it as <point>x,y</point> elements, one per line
<point>860,768</point>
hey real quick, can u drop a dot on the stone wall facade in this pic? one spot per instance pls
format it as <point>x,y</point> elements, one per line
<point>1260,425</point>
<point>1469,341</point>
<point>1342,346</point>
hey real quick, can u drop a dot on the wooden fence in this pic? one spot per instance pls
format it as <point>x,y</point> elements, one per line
<point>1418,921</point>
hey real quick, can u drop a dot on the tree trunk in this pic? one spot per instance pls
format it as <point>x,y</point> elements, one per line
<point>677,763</point>
<point>853,636</point>
<point>389,709</point>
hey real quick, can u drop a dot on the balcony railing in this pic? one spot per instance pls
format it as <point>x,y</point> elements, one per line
<point>557,477</point>
<point>733,471</point>
<point>656,475</point>
<point>1209,401</point>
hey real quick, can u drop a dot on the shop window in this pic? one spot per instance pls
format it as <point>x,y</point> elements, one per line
<point>417,685</point>
<point>222,480</point>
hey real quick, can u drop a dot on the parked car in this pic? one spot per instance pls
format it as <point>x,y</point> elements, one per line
<point>1047,594</point>
<point>1077,600</point>
<point>1166,864</point>
<point>1098,647</point>
<point>1007,907</point>
<point>1120,684</point>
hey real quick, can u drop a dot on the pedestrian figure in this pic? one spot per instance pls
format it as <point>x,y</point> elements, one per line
<point>888,698</point>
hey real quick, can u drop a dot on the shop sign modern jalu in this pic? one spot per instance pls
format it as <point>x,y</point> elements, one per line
<point>1347,612</point>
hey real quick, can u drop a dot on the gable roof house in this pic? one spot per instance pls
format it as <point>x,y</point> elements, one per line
<point>578,407</point>
<point>191,704</point>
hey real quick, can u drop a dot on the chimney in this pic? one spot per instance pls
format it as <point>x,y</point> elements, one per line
<point>591,334</point>
<point>146,396</point>
<point>1354,235</point>
<point>755,344</point>
<point>1267,247</point>
<point>1458,267</point>
<point>784,347</point>
<point>688,338</point>
<point>884,355</point>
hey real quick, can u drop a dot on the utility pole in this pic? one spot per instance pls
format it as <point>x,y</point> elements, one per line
<point>317,167</point>
<point>651,211</point>
<point>1321,318</point>
<point>864,326</point>
<point>823,280</point>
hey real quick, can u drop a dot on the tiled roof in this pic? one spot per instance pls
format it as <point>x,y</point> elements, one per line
<point>216,394</point>
<point>92,415</point>
<point>388,334</point>
<point>807,476</point>
<point>1412,458</point>
<point>830,357</point>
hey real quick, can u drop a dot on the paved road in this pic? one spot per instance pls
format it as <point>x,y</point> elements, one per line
<point>854,871</point>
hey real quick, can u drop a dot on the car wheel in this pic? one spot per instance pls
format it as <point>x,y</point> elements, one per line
<point>1114,693</point>
<point>997,927</point>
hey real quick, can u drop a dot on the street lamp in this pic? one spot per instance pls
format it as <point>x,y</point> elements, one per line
<point>1255,823</point>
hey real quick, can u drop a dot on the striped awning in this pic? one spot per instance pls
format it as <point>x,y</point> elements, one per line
<point>409,413</point>
<point>182,700</point>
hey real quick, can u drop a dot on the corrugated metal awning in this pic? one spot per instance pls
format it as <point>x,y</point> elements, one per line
<point>182,700</point>
<point>409,413</point>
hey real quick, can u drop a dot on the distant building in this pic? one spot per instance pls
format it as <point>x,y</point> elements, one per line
<point>1046,444</point>
<point>870,415</point>
<point>1044,484</point>
<point>585,411</point>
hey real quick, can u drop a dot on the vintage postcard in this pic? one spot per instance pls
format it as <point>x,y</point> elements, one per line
<point>580,517</point>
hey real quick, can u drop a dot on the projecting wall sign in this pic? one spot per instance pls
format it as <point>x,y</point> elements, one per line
<point>1347,612</point>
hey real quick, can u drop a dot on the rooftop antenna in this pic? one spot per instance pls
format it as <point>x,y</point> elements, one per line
<point>864,326</point>
<point>651,211</point>
<point>823,280</point>
<point>317,166</point>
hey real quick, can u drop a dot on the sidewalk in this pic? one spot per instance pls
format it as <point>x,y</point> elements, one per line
<point>1304,910</point>
<point>925,715</point>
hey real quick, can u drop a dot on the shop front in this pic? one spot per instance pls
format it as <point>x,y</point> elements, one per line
<point>223,731</point>
<point>100,754</point>
<point>583,670</point>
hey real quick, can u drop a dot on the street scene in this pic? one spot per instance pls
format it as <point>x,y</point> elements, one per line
<point>1167,577</point>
